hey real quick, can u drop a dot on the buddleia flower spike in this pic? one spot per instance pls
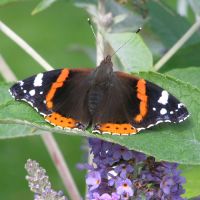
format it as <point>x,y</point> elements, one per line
<point>39,183</point>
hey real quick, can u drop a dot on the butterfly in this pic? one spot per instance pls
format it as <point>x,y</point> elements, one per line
<point>109,101</point>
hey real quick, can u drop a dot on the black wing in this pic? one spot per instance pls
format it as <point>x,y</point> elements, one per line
<point>59,95</point>
<point>132,104</point>
<point>155,105</point>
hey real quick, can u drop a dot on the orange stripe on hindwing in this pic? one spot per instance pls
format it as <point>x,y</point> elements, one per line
<point>120,129</point>
<point>57,84</point>
<point>58,120</point>
<point>141,95</point>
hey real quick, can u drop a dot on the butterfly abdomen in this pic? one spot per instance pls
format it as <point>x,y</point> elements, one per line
<point>95,96</point>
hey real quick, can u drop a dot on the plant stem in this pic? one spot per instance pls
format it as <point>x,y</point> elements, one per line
<point>178,45</point>
<point>6,72</point>
<point>61,166</point>
<point>47,138</point>
<point>182,7</point>
<point>100,41</point>
<point>25,46</point>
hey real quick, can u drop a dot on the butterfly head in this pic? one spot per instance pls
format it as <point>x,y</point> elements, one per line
<point>104,71</point>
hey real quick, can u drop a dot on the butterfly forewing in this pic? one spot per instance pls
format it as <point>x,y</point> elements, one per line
<point>155,104</point>
<point>59,95</point>
<point>34,90</point>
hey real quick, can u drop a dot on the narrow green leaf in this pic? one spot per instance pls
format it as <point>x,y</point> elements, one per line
<point>190,75</point>
<point>164,21</point>
<point>172,142</point>
<point>44,4</point>
<point>188,56</point>
<point>133,53</point>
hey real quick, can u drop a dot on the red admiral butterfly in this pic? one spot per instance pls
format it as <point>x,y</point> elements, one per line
<point>112,102</point>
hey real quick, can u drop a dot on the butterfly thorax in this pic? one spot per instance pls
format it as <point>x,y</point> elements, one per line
<point>101,81</point>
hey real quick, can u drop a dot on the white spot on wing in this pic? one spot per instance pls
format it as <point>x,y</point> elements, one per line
<point>21,83</point>
<point>32,92</point>
<point>171,112</point>
<point>38,80</point>
<point>154,109</point>
<point>163,111</point>
<point>180,105</point>
<point>24,91</point>
<point>41,92</point>
<point>164,97</point>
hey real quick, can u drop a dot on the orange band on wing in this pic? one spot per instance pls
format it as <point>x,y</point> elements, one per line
<point>58,120</point>
<point>59,83</point>
<point>141,95</point>
<point>121,129</point>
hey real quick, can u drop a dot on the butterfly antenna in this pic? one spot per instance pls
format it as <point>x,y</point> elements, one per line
<point>95,36</point>
<point>138,30</point>
<point>91,26</point>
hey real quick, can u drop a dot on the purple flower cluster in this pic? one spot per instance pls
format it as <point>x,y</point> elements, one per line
<point>119,173</point>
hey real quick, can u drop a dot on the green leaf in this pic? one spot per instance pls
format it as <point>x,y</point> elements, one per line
<point>44,4</point>
<point>18,130</point>
<point>133,53</point>
<point>164,22</point>
<point>171,142</point>
<point>5,95</point>
<point>192,175</point>
<point>188,56</point>
<point>2,2</point>
<point>195,198</point>
<point>13,130</point>
<point>190,75</point>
